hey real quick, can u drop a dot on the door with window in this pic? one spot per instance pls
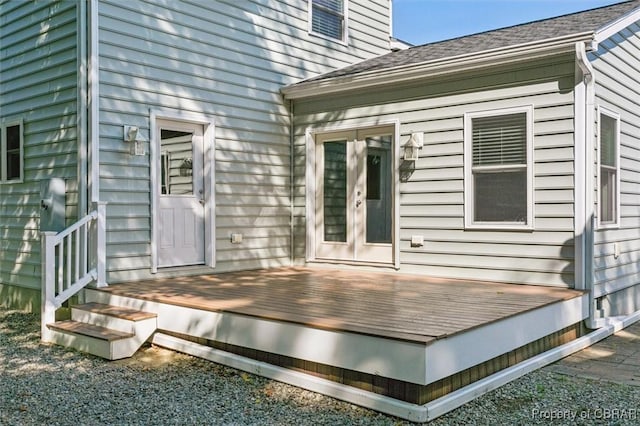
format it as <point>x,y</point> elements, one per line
<point>354,197</point>
<point>181,200</point>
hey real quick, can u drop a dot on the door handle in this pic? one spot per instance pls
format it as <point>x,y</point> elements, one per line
<point>358,202</point>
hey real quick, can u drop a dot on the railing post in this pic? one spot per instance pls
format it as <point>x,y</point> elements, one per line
<point>48,260</point>
<point>101,244</point>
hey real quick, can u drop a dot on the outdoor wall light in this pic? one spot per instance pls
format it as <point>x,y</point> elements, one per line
<point>130,133</point>
<point>412,147</point>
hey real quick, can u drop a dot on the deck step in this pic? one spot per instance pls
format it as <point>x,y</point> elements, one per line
<point>89,330</point>
<point>115,311</point>
<point>111,332</point>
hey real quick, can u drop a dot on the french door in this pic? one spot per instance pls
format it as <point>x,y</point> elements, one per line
<point>354,197</point>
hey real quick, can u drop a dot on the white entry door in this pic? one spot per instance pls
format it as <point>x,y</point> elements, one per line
<point>181,195</point>
<point>354,197</point>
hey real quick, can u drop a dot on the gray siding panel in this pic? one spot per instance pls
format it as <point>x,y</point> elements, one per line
<point>617,88</point>
<point>432,199</point>
<point>227,60</point>
<point>38,84</point>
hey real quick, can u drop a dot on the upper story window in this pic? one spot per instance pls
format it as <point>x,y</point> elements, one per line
<point>609,167</point>
<point>11,148</point>
<point>328,18</point>
<point>499,169</point>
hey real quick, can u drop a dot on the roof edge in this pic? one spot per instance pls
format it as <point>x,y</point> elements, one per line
<point>616,26</point>
<point>415,72</point>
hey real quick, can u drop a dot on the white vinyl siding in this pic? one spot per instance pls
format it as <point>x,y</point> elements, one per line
<point>328,18</point>
<point>617,248</point>
<point>608,168</point>
<point>11,152</point>
<point>227,61</point>
<point>432,193</point>
<point>38,93</point>
<point>498,178</point>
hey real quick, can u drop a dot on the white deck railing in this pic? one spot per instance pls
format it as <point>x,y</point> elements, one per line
<point>72,259</point>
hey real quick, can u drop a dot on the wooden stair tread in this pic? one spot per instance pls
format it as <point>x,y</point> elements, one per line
<point>116,311</point>
<point>89,330</point>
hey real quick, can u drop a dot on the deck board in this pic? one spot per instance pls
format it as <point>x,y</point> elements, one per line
<point>405,307</point>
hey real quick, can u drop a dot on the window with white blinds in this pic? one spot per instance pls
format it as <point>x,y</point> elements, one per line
<point>328,18</point>
<point>498,183</point>
<point>609,169</point>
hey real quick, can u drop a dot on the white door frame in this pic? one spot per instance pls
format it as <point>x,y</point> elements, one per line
<point>208,128</point>
<point>312,186</point>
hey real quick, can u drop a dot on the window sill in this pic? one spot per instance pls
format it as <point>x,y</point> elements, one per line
<point>605,226</point>
<point>510,227</point>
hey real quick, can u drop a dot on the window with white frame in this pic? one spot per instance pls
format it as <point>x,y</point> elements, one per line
<point>11,156</point>
<point>328,18</point>
<point>498,168</point>
<point>609,166</point>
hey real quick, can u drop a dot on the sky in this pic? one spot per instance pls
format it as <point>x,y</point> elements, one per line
<point>426,21</point>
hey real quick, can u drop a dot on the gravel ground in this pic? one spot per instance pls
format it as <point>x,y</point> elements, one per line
<point>50,385</point>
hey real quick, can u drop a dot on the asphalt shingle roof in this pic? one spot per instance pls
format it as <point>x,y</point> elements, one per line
<point>590,20</point>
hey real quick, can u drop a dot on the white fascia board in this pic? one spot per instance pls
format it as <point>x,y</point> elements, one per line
<point>614,27</point>
<point>460,63</point>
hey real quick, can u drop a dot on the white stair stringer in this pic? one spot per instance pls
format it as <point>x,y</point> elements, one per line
<point>107,331</point>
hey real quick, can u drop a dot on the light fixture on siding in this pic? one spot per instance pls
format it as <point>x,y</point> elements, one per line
<point>412,147</point>
<point>130,133</point>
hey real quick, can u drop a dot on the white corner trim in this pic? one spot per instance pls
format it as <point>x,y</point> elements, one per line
<point>83,109</point>
<point>310,195</point>
<point>94,101</point>
<point>584,110</point>
<point>616,26</point>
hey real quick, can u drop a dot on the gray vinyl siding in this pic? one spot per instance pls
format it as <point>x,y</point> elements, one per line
<point>618,89</point>
<point>227,60</point>
<point>432,198</point>
<point>38,84</point>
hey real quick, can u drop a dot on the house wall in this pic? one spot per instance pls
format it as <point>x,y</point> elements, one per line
<point>222,59</point>
<point>618,89</point>
<point>38,84</point>
<point>432,196</point>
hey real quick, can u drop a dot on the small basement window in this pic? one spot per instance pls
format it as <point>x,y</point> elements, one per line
<point>11,152</point>
<point>498,169</point>
<point>328,18</point>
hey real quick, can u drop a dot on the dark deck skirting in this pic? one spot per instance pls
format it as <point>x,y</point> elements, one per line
<point>398,389</point>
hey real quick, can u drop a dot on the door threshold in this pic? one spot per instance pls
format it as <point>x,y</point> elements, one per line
<point>353,264</point>
<point>179,271</point>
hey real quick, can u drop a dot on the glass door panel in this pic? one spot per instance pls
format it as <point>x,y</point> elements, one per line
<point>378,190</point>
<point>335,191</point>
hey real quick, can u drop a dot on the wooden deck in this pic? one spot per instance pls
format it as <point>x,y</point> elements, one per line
<point>393,306</point>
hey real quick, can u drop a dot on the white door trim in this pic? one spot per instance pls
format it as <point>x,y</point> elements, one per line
<point>311,185</point>
<point>208,124</point>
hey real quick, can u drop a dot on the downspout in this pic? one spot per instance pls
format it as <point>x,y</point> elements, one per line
<point>94,100</point>
<point>587,272</point>
<point>81,123</point>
